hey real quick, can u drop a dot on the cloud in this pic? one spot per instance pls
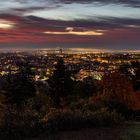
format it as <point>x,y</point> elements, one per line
<point>129,3</point>
<point>81,26</point>
<point>19,7</point>
<point>91,28</point>
<point>104,31</point>
<point>5,24</point>
<point>70,31</point>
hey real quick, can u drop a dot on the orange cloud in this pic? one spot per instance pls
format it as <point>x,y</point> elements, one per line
<point>70,31</point>
<point>5,24</point>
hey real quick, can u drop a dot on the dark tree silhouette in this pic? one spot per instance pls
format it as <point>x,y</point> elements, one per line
<point>86,88</point>
<point>20,86</point>
<point>60,83</point>
<point>132,71</point>
<point>136,75</point>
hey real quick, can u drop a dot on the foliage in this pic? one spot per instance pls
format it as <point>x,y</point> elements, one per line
<point>132,71</point>
<point>119,107</point>
<point>60,83</point>
<point>116,87</point>
<point>17,124</point>
<point>85,88</point>
<point>84,105</point>
<point>2,107</point>
<point>69,119</point>
<point>20,86</point>
<point>26,107</point>
<point>41,103</point>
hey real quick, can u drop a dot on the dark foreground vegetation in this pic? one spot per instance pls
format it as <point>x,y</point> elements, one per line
<point>29,108</point>
<point>127,131</point>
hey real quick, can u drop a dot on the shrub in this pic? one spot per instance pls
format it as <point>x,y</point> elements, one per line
<point>63,119</point>
<point>119,107</point>
<point>41,103</point>
<point>103,117</point>
<point>20,124</point>
<point>68,119</point>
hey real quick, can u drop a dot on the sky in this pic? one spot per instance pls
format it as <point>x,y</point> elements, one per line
<point>94,24</point>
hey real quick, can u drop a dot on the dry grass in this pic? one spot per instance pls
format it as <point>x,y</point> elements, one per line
<point>129,131</point>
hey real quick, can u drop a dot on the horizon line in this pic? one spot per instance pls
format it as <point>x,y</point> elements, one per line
<point>77,50</point>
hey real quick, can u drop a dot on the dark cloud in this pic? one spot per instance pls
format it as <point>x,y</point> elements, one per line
<point>30,29</point>
<point>92,22</point>
<point>117,32</point>
<point>131,3</point>
<point>20,7</point>
<point>34,4</point>
<point>33,8</point>
<point>104,23</point>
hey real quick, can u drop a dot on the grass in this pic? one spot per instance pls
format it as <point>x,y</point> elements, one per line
<point>132,132</point>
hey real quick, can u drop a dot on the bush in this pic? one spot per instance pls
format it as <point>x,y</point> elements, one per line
<point>85,105</point>
<point>103,117</point>
<point>41,103</point>
<point>17,124</point>
<point>111,105</point>
<point>63,119</point>
<point>120,108</point>
<point>68,119</point>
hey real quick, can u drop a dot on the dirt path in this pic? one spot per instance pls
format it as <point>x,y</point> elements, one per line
<point>89,134</point>
<point>100,133</point>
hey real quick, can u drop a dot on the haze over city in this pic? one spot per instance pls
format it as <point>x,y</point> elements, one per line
<point>88,24</point>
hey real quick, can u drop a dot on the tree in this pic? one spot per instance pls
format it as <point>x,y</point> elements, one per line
<point>136,75</point>
<point>60,83</point>
<point>117,90</point>
<point>86,88</point>
<point>20,86</point>
<point>132,71</point>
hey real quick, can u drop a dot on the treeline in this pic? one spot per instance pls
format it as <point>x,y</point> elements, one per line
<point>27,108</point>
